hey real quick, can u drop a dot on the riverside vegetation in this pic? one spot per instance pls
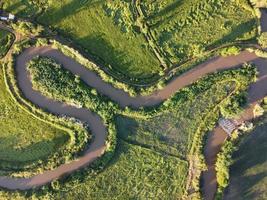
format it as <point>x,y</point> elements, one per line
<point>6,40</point>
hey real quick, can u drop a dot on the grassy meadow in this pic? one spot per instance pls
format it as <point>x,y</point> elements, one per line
<point>24,139</point>
<point>6,40</point>
<point>248,178</point>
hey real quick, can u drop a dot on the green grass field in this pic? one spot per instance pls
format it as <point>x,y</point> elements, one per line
<point>248,174</point>
<point>111,30</point>
<point>24,139</point>
<point>6,40</point>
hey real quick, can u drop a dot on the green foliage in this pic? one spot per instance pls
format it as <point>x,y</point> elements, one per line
<point>259,3</point>
<point>111,41</point>
<point>6,40</point>
<point>261,53</point>
<point>230,51</point>
<point>262,40</point>
<point>223,162</point>
<point>233,106</point>
<point>173,129</point>
<point>135,173</point>
<point>27,28</point>
<point>74,141</point>
<point>134,38</point>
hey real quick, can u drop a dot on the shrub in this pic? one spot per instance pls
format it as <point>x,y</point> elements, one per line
<point>259,3</point>
<point>27,28</point>
<point>230,51</point>
<point>262,40</point>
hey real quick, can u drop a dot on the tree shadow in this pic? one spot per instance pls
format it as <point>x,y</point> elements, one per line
<point>166,10</point>
<point>106,54</point>
<point>21,153</point>
<point>250,156</point>
<point>236,32</point>
<point>67,10</point>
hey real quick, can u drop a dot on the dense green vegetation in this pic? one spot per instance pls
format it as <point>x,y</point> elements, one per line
<point>262,40</point>
<point>223,162</point>
<point>105,29</point>
<point>136,38</point>
<point>135,173</point>
<point>6,40</point>
<point>259,3</point>
<point>54,81</point>
<point>27,28</point>
<point>248,173</point>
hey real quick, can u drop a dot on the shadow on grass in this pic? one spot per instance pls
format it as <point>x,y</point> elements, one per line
<point>107,54</point>
<point>250,158</point>
<point>235,33</point>
<point>67,10</point>
<point>19,157</point>
<point>172,6</point>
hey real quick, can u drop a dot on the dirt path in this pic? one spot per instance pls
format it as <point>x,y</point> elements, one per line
<point>256,92</point>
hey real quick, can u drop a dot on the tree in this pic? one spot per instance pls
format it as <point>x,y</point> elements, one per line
<point>262,40</point>
<point>259,3</point>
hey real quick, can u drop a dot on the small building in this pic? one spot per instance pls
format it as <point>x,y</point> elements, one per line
<point>228,125</point>
<point>6,16</point>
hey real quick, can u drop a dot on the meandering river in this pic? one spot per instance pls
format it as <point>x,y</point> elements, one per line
<point>256,92</point>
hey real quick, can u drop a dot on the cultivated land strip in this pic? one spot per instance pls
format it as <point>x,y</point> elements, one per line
<point>256,92</point>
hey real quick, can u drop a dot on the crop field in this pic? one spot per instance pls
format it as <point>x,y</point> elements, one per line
<point>248,173</point>
<point>114,34</point>
<point>6,40</point>
<point>24,139</point>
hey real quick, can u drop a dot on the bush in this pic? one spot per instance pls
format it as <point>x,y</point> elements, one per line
<point>230,51</point>
<point>262,40</point>
<point>27,28</point>
<point>224,160</point>
<point>259,3</point>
